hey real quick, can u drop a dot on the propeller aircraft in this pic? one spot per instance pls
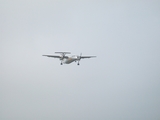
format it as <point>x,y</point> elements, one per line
<point>66,59</point>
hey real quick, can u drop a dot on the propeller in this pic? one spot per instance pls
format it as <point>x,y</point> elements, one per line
<point>79,58</point>
<point>62,55</point>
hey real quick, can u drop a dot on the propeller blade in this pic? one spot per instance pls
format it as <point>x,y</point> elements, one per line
<point>80,56</point>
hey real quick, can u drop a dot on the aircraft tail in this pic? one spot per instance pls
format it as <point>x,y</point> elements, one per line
<point>63,53</point>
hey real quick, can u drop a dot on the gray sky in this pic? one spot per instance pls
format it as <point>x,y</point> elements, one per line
<point>122,83</point>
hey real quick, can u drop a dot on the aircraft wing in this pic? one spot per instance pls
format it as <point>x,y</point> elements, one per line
<point>54,56</point>
<point>82,57</point>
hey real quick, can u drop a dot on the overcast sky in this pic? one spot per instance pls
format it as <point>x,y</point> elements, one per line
<point>122,83</point>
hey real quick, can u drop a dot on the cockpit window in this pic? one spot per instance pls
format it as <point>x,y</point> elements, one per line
<point>74,56</point>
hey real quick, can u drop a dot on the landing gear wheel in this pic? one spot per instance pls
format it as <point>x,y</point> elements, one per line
<point>61,64</point>
<point>78,64</point>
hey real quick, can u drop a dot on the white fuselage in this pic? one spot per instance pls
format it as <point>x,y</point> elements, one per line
<point>70,59</point>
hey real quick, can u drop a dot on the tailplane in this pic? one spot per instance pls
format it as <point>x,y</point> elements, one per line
<point>63,53</point>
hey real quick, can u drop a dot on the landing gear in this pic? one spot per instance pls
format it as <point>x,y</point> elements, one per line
<point>61,64</point>
<point>78,64</point>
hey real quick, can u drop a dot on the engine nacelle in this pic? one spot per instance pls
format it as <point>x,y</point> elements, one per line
<point>62,57</point>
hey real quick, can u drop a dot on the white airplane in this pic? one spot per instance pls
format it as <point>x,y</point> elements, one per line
<point>66,59</point>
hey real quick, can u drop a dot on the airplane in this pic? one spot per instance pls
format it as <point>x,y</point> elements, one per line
<point>66,59</point>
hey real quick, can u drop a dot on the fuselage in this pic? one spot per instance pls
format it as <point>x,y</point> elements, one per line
<point>70,59</point>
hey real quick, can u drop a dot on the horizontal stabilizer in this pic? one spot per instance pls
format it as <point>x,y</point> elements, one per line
<point>63,52</point>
